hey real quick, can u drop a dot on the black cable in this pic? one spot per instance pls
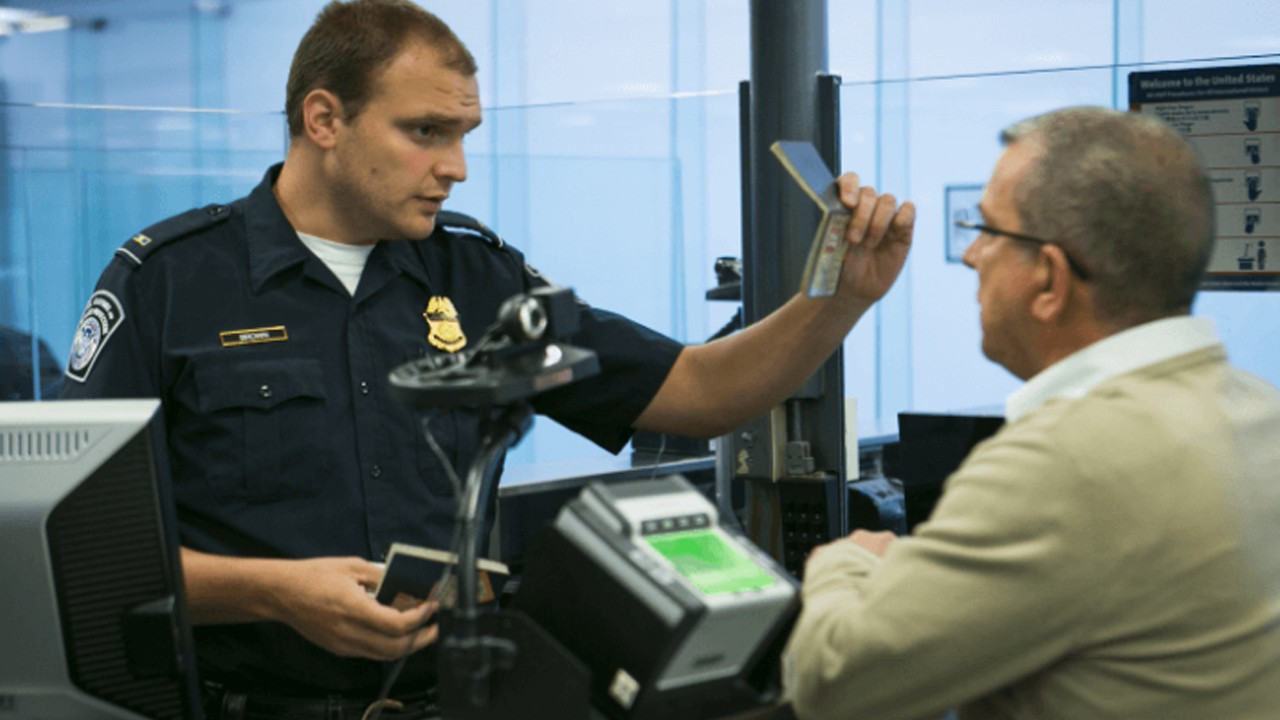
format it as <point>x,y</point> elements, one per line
<point>438,590</point>
<point>657,458</point>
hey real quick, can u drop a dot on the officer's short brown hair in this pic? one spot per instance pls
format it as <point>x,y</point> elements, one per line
<point>350,41</point>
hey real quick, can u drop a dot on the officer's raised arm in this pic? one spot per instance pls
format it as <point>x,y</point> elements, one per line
<point>717,386</point>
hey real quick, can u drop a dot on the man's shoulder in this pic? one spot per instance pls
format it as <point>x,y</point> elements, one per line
<point>465,238</point>
<point>1107,416</point>
<point>466,226</point>
<point>1157,416</point>
<point>166,233</point>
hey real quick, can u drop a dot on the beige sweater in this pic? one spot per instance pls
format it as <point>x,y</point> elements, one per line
<point>1116,556</point>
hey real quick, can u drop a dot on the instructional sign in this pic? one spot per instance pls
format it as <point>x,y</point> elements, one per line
<point>1232,116</point>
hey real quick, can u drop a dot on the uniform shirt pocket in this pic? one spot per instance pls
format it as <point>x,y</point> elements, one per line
<point>265,420</point>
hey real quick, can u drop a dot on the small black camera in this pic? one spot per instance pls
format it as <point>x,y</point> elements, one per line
<point>518,357</point>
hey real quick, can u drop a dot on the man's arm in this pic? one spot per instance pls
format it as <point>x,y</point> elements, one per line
<point>326,600</point>
<point>115,356</point>
<point>995,587</point>
<point>716,387</point>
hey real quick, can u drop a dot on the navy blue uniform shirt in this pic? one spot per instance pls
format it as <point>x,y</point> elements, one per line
<point>283,438</point>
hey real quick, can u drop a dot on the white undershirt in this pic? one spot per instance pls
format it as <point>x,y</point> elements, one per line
<point>345,261</point>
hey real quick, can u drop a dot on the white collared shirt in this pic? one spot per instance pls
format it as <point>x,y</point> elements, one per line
<point>1078,373</point>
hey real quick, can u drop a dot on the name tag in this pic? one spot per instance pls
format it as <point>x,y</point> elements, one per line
<point>253,336</point>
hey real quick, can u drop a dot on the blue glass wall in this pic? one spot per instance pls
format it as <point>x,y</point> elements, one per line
<point>609,151</point>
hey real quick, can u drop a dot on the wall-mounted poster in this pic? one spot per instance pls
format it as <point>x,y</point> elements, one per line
<point>1232,116</point>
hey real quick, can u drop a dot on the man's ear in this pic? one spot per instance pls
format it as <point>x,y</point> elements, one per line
<point>1054,282</point>
<point>321,116</point>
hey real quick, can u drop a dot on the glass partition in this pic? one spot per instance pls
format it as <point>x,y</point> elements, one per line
<point>81,180</point>
<point>954,150</point>
<point>610,159</point>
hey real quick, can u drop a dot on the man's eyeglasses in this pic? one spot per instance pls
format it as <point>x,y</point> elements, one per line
<point>978,228</point>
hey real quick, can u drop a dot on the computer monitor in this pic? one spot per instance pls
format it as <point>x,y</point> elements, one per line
<point>93,614</point>
<point>932,446</point>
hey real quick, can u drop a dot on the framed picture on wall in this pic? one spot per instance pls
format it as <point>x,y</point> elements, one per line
<point>961,204</point>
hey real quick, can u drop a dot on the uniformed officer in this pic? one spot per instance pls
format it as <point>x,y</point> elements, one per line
<point>268,327</point>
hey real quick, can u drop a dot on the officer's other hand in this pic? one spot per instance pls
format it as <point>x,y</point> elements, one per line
<point>879,236</point>
<point>328,601</point>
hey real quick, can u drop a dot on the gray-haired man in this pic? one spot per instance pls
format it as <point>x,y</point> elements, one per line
<point>1111,552</point>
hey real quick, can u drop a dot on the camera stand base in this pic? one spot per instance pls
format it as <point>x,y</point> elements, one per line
<point>545,681</point>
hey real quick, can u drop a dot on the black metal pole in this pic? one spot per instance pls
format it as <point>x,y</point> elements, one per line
<point>788,53</point>
<point>506,429</point>
<point>793,459</point>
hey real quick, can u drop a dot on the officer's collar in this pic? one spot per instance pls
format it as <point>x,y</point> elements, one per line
<point>274,245</point>
<point>402,256</point>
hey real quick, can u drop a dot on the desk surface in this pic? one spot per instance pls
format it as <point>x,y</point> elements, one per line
<point>566,474</point>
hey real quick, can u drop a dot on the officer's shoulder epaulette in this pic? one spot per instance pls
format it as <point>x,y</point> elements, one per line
<point>139,247</point>
<point>467,225</point>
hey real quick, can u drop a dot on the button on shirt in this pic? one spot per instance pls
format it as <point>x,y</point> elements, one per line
<point>283,438</point>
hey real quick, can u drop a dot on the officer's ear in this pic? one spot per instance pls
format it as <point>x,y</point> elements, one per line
<point>321,115</point>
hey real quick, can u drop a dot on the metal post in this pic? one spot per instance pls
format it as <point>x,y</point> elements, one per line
<point>788,51</point>
<point>793,458</point>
